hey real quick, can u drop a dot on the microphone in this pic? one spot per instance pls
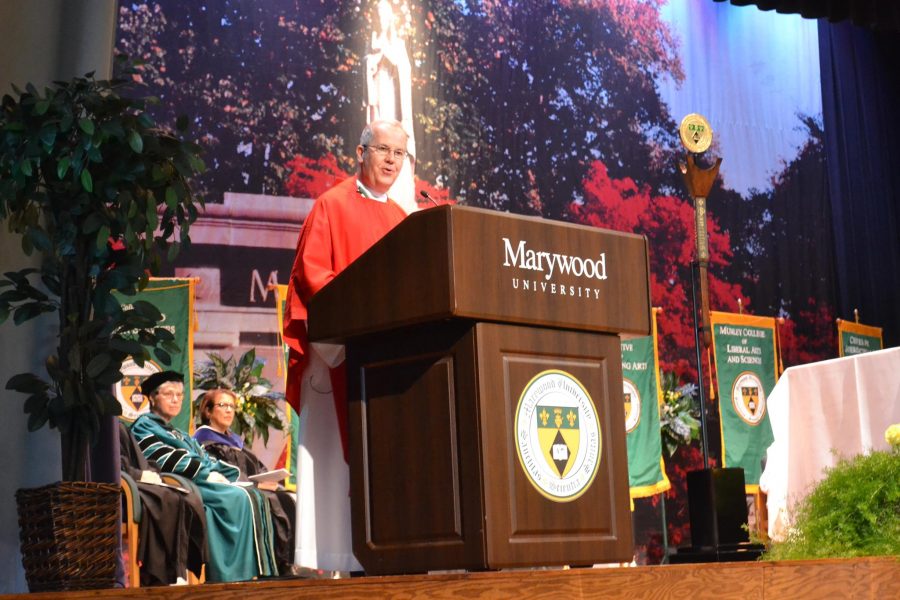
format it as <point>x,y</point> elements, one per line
<point>428,197</point>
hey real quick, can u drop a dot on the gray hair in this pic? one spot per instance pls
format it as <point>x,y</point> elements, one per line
<point>368,132</point>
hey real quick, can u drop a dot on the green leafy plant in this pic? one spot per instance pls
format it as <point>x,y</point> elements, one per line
<point>854,511</point>
<point>679,417</point>
<point>101,194</point>
<point>257,406</point>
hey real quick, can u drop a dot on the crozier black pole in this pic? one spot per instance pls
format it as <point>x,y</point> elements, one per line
<point>704,438</point>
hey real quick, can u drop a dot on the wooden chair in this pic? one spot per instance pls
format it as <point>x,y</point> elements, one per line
<point>131,519</point>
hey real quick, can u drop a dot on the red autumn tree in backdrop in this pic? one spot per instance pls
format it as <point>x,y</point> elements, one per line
<point>668,223</point>
<point>309,178</point>
<point>798,348</point>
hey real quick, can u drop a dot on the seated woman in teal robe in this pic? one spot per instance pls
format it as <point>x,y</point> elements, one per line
<point>239,527</point>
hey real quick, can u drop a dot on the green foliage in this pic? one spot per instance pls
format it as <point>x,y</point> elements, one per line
<point>513,101</point>
<point>257,408</point>
<point>679,413</point>
<point>100,194</point>
<point>294,91</point>
<point>854,511</point>
<point>527,95</point>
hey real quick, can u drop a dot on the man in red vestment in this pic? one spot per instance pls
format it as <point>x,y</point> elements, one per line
<point>344,222</point>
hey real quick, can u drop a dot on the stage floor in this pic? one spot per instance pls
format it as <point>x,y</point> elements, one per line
<point>856,579</point>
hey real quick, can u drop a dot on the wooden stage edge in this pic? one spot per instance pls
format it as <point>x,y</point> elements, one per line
<point>857,579</point>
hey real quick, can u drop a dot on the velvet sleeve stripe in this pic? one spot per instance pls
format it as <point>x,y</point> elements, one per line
<point>192,468</point>
<point>157,454</point>
<point>170,463</point>
<point>148,441</point>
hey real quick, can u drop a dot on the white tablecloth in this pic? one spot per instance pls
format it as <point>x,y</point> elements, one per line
<point>820,411</point>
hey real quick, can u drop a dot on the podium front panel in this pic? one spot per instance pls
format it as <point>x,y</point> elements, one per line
<point>555,463</point>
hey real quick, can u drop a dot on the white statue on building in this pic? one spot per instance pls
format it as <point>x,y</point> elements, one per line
<point>389,94</point>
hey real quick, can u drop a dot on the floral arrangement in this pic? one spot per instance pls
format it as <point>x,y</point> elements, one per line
<point>257,406</point>
<point>679,413</point>
<point>853,511</point>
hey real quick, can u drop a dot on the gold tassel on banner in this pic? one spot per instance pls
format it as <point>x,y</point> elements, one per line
<point>195,319</point>
<point>280,367</point>
<point>712,368</point>
<point>840,348</point>
<point>778,360</point>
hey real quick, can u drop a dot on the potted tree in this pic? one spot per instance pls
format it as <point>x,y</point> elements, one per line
<point>101,194</point>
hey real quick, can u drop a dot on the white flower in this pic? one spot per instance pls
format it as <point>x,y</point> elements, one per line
<point>682,430</point>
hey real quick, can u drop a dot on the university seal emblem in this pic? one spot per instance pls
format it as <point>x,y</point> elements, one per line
<point>127,391</point>
<point>632,405</point>
<point>748,398</point>
<point>695,132</point>
<point>558,437</point>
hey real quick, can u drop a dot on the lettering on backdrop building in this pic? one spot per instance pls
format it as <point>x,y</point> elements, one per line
<point>549,264</point>
<point>256,284</point>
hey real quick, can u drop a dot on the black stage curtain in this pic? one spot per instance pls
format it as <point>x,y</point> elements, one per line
<point>877,14</point>
<point>860,97</point>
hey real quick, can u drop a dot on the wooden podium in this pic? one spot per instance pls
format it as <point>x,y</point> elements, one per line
<point>487,424</point>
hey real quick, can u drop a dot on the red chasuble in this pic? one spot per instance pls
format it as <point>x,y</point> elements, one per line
<point>342,225</point>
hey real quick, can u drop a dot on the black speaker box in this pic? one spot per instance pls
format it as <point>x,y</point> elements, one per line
<point>718,508</point>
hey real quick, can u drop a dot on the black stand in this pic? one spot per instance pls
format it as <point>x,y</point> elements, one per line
<point>704,439</point>
<point>716,497</point>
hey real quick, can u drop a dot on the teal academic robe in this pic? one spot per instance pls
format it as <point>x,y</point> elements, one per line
<point>239,526</point>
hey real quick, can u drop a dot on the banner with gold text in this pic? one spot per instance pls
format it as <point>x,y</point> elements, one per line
<point>642,394</point>
<point>855,338</point>
<point>745,362</point>
<point>174,298</point>
<point>288,459</point>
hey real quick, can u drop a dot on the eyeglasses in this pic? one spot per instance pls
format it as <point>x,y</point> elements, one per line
<point>224,405</point>
<point>382,151</point>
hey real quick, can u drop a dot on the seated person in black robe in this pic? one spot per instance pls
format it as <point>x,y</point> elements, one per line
<point>217,408</point>
<point>172,531</point>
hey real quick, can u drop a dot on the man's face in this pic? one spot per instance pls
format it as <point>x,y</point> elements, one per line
<point>379,170</point>
<point>167,399</point>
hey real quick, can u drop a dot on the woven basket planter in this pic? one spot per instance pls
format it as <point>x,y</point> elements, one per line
<point>68,532</point>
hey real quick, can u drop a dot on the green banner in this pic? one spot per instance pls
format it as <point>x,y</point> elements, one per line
<point>646,474</point>
<point>855,338</point>
<point>745,358</point>
<point>174,298</point>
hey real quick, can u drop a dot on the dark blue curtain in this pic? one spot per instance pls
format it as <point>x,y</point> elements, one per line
<point>860,101</point>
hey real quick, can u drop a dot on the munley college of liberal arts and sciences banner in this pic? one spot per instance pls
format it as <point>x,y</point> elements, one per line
<point>174,298</point>
<point>745,358</point>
